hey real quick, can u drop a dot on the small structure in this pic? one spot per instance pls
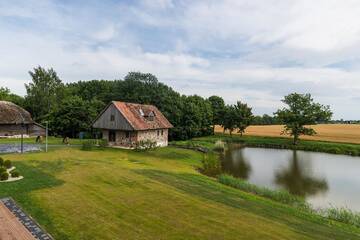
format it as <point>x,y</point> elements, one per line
<point>126,124</point>
<point>16,121</point>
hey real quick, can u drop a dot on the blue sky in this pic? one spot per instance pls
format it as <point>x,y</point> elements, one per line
<point>254,51</point>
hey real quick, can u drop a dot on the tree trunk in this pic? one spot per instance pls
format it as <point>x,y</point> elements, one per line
<point>296,139</point>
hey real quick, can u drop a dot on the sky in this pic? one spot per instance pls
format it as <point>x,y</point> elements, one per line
<point>255,51</point>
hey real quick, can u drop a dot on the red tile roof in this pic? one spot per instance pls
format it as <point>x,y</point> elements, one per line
<point>139,116</point>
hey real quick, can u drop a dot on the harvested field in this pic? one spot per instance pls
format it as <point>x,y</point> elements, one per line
<point>347,133</point>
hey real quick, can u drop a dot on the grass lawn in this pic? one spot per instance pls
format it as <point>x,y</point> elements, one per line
<point>51,141</point>
<point>122,194</point>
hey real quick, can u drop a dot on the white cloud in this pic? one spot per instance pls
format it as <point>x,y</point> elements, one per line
<point>256,51</point>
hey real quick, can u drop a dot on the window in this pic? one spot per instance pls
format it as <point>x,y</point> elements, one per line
<point>112,118</point>
<point>127,134</point>
<point>158,132</point>
<point>162,132</point>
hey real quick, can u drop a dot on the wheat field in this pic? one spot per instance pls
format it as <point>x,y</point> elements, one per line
<point>348,133</point>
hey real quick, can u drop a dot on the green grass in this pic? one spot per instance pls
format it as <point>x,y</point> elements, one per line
<point>124,194</point>
<point>276,142</point>
<point>276,195</point>
<point>51,141</point>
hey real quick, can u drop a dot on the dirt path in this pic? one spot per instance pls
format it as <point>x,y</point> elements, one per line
<point>10,227</point>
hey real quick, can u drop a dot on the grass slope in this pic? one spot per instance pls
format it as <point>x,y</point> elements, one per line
<point>122,194</point>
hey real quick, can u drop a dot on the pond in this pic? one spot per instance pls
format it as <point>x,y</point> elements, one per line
<point>16,148</point>
<point>324,180</point>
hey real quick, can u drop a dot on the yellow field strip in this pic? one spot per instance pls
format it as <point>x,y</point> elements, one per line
<point>348,133</point>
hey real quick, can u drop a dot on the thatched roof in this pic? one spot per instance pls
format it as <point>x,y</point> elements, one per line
<point>11,113</point>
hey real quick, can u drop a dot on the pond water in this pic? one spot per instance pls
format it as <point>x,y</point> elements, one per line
<point>16,148</point>
<point>323,179</point>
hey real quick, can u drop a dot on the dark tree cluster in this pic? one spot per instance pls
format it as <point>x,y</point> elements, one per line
<point>71,108</point>
<point>266,120</point>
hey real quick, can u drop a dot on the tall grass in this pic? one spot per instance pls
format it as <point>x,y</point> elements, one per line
<point>210,165</point>
<point>343,215</point>
<point>277,195</point>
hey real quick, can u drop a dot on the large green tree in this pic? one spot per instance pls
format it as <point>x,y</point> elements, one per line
<point>238,116</point>
<point>243,116</point>
<point>229,120</point>
<point>74,115</point>
<point>191,115</point>
<point>43,93</point>
<point>218,109</point>
<point>302,111</point>
<point>6,95</point>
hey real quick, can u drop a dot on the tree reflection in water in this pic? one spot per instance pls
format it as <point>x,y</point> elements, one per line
<point>234,163</point>
<point>298,181</point>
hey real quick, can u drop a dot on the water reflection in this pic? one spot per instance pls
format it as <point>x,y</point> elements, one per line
<point>292,174</point>
<point>234,163</point>
<point>298,180</point>
<point>323,179</point>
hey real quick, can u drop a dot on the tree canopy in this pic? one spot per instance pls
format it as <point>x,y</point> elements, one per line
<point>218,109</point>
<point>43,93</point>
<point>302,111</point>
<point>238,116</point>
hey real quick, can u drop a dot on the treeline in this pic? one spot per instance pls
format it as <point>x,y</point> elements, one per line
<point>266,120</point>
<point>71,108</point>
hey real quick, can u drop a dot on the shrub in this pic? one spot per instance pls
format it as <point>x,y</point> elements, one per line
<point>4,176</point>
<point>1,161</point>
<point>87,145</point>
<point>280,196</point>
<point>342,215</point>
<point>2,169</point>
<point>103,143</point>
<point>211,165</point>
<point>7,164</point>
<point>15,174</point>
<point>219,146</point>
<point>145,145</point>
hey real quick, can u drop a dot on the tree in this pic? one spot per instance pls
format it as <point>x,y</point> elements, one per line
<point>301,112</point>
<point>243,116</point>
<point>6,95</point>
<point>229,119</point>
<point>43,93</point>
<point>218,109</point>
<point>74,115</point>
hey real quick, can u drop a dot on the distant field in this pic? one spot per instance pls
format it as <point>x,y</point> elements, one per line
<point>349,133</point>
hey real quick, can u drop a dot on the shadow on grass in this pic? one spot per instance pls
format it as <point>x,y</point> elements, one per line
<point>203,187</point>
<point>34,179</point>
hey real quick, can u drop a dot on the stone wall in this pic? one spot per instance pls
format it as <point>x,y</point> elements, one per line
<point>159,136</point>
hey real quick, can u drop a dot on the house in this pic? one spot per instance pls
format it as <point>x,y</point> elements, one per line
<point>126,124</point>
<point>16,121</point>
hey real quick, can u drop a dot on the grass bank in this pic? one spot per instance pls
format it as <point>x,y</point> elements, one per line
<point>122,194</point>
<point>275,142</point>
<point>51,141</point>
<point>338,214</point>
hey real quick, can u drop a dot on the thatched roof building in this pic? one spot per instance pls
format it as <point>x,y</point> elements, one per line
<point>15,120</point>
